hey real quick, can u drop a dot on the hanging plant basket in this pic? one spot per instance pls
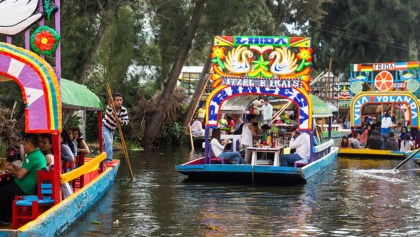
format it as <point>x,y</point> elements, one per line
<point>45,40</point>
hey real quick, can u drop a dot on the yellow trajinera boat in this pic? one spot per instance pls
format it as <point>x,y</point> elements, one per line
<point>393,84</point>
<point>371,153</point>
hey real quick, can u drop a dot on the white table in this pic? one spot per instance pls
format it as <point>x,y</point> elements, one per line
<point>276,150</point>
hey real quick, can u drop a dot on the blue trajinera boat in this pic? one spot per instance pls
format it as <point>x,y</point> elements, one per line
<point>46,98</point>
<point>244,72</point>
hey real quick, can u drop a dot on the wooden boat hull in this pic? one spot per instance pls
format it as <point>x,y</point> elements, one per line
<point>258,174</point>
<point>57,219</point>
<point>370,153</point>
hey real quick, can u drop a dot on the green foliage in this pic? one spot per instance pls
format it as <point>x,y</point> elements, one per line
<point>91,126</point>
<point>73,120</point>
<point>171,136</point>
<point>366,32</point>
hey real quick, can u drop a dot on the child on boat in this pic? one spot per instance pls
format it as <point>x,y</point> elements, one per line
<point>345,142</point>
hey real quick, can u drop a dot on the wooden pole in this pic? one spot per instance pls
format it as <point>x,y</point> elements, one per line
<point>191,138</point>
<point>108,88</point>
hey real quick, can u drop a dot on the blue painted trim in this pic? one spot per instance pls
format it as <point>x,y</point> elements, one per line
<point>56,220</point>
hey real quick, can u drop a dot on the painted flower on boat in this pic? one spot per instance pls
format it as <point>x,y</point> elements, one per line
<point>45,40</point>
<point>218,52</point>
<point>305,53</point>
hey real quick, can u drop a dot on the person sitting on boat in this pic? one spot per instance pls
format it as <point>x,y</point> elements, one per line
<point>404,132</point>
<point>47,149</point>
<point>391,142</point>
<point>66,147</point>
<point>197,127</point>
<point>233,157</point>
<point>302,143</point>
<point>345,142</point>
<point>366,133</point>
<point>406,144</point>
<point>25,182</point>
<point>373,141</point>
<point>355,143</point>
<point>70,133</point>
<point>201,113</point>
<point>81,145</point>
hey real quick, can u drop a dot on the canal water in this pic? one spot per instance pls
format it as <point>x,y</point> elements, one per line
<point>353,197</point>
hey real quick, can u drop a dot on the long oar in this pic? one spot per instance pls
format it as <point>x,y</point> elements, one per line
<point>290,102</point>
<point>108,88</point>
<point>406,159</point>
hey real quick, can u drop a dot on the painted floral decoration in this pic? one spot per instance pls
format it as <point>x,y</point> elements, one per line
<point>305,53</point>
<point>305,56</point>
<point>45,40</point>
<point>218,56</point>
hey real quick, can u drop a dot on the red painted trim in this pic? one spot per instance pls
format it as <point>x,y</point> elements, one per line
<point>56,139</point>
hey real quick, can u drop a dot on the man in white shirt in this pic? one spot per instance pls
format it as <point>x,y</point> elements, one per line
<point>302,143</point>
<point>197,127</point>
<point>267,112</point>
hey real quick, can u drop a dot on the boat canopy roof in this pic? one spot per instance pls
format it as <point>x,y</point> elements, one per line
<point>77,96</point>
<point>333,108</point>
<point>320,108</point>
<point>239,104</point>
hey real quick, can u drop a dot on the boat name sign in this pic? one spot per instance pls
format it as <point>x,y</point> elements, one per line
<point>278,83</point>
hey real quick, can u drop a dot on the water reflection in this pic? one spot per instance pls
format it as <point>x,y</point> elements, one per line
<point>353,197</point>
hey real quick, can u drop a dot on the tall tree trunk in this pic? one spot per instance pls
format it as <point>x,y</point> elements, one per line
<point>157,118</point>
<point>201,86</point>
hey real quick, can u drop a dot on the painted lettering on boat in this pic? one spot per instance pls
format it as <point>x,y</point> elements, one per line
<point>261,41</point>
<point>383,66</point>
<point>403,99</point>
<point>280,83</point>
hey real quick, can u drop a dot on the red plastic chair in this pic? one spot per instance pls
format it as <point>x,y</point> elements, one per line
<point>27,208</point>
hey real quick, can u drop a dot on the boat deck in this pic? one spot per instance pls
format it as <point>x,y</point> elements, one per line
<point>88,178</point>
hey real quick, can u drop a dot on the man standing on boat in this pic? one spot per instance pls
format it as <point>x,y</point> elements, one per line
<point>267,112</point>
<point>109,122</point>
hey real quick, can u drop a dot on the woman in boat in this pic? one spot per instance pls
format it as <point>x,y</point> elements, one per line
<point>47,148</point>
<point>66,147</point>
<point>365,134</point>
<point>406,144</point>
<point>374,142</point>
<point>81,147</point>
<point>404,132</point>
<point>218,149</point>
<point>345,142</point>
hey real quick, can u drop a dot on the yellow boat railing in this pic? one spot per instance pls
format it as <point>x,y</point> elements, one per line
<point>84,169</point>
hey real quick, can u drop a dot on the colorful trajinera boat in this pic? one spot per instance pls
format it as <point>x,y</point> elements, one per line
<point>46,98</point>
<point>390,85</point>
<point>245,68</point>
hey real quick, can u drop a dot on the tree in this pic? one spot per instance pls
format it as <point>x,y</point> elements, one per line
<point>365,32</point>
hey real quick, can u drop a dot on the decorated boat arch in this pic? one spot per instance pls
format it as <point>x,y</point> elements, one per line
<point>246,68</point>
<point>395,83</point>
<point>261,66</point>
<point>46,97</point>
